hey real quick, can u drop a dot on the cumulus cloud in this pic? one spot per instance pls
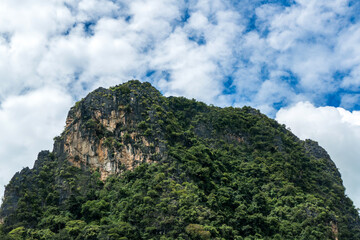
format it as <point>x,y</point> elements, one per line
<point>198,56</point>
<point>337,130</point>
<point>86,44</point>
<point>25,39</point>
<point>28,124</point>
<point>314,40</point>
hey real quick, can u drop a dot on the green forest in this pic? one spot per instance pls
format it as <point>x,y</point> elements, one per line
<point>221,173</point>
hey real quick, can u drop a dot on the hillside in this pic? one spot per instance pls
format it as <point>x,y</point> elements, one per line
<point>133,164</point>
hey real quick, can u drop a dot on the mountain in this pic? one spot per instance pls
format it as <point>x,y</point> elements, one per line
<point>133,164</point>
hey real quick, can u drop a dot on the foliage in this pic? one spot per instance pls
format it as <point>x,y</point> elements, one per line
<point>223,173</point>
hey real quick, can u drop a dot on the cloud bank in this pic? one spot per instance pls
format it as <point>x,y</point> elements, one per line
<point>337,130</point>
<point>216,51</point>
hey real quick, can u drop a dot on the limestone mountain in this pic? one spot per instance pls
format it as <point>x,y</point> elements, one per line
<point>133,164</point>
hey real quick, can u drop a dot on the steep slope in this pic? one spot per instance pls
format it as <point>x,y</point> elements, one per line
<point>132,164</point>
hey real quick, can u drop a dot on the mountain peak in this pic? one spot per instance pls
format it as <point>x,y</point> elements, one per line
<point>101,133</point>
<point>133,164</point>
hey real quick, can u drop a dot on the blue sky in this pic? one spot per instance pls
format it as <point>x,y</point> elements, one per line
<point>296,61</point>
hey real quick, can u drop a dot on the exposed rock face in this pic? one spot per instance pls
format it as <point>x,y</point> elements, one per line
<point>318,152</point>
<point>108,154</point>
<point>314,149</point>
<point>100,132</point>
<point>334,230</point>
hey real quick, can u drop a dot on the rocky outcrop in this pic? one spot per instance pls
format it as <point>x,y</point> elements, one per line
<point>334,230</point>
<point>313,149</point>
<point>102,132</point>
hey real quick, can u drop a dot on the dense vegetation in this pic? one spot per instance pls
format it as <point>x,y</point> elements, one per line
<point>224,173</point>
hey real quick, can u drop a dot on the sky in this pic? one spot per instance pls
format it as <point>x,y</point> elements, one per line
<point>296,61</point>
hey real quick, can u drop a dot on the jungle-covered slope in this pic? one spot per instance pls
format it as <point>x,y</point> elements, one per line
<point>133,164</point>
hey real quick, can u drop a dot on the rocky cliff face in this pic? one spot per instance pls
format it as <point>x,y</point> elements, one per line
<point>102,131</point>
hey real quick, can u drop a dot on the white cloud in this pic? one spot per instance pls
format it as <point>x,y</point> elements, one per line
<point>313,39</point>
<point>198,66</point>
<point>28,27</point>
<point>274,91</point>
<point>337,130</point>
<point>349,100</point>
<point>154,18</point>
<point>302,35</point>
<point>28,123</point>
<point>93,9</point>
<point>192,70</point>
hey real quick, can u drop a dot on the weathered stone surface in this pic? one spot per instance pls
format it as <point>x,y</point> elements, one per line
<point>101,133</point>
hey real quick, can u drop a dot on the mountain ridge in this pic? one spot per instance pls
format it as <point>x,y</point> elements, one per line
<point>202,172</point>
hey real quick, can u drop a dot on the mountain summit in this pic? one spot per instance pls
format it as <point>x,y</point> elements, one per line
<point>133,164</point>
